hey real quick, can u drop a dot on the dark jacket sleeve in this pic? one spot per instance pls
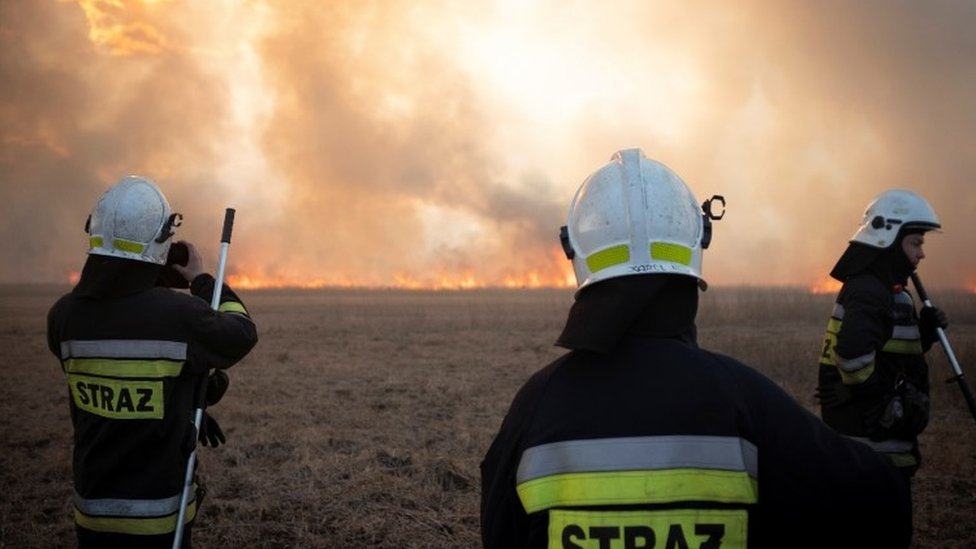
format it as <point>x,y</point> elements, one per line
<point>222,337</point>
<point>504,522</point>
<point>867,317</point>
<point>816,487</point>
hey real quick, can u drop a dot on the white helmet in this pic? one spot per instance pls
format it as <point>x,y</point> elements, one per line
<point>635,216</point>
<point>890,212</point>
<point>132,220</point>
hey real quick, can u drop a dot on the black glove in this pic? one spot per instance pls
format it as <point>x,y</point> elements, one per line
<point>929,320</point>
<point>833,395</point>
<point>217,384</point>
<point>168,276</point>
<point>210,432</point>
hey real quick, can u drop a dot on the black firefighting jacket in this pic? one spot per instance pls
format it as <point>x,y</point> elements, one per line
<point>134,356</point>
<point>873,378</point>
<point>659,443</point>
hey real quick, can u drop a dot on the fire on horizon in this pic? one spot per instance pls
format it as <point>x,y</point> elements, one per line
<point>438,144</point>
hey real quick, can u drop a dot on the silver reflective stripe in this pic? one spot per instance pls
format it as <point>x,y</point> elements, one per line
<point>909,333</point>
<point>838,311</point>
<point>123,348</point>
<point>890,446</point>
<point>638,453</point>
<point>855,364</point>
<point>903,298</point>
<point>111,507</point>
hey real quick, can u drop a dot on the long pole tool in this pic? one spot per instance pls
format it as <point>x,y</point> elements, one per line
<point>960,377</point>
<point>201,390</point>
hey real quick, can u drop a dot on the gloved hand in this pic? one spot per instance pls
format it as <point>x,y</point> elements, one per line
<point>833,395</point>
<point>210,432</point>
<point>217,384</point>
<point>930,318</point>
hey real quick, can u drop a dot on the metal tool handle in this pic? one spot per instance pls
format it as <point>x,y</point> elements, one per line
<point>201,390</point>
<point>959,377</point>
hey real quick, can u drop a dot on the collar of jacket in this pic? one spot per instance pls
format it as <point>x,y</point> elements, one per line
<point>642,305</point>
<point>106,277</point>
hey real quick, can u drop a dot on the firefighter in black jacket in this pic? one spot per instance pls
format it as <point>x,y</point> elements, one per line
<point>638,438</point>
<point>134,354</point>
<point>873,378</point>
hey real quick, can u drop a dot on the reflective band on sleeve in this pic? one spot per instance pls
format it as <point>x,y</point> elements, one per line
<point>123,368</point>
<point>854,378</point>
<point>140,517</point>
<point>903,347</point>
<point>631,529</point>
<point>833,325</point>
<point>905,340</point>
<point>907,333</point>
<point>637,488</point>
<point>608,257</point>
<point>890,445</point>
<point>232,307</point>
<point>123,348</point>
<point>851,365</point>
<point>638,470</point>
<point>667,251</point>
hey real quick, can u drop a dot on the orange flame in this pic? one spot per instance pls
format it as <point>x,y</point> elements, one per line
<point>826,286</point>
<point>437,281</point>
<point>74,277</point>
<point>555,273</point>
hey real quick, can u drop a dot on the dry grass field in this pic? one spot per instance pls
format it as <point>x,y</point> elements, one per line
<point>361,417</point>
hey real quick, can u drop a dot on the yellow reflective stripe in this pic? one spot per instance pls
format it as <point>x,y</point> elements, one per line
<point>128,246</point>
<point>124,368</point>
<point>608,257</point>
<point>116,399</point>
<point>138,526</point>
<point>675,253</point>
<point>680,527</point>
<point>833,325</point>
<point>637,487</point>
<point>903,347</point>
<point>828,355</point>
<point>857,376</point>
<point>232,307</point>
<point>118,244</point>
<point>903,460</point>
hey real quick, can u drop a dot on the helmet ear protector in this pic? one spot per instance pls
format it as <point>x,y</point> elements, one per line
<point>708,215</point>
<point>564,240</point>
<point>175,220</point>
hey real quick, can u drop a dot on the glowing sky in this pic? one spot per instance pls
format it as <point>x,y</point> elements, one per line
<point>427,143</point>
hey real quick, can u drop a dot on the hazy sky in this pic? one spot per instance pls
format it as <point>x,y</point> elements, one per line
<point>439,143</point>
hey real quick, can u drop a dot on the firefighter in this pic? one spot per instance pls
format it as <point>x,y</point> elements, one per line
<point>639,438</point>
<point>873,382</point>
<point>134,354</point>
